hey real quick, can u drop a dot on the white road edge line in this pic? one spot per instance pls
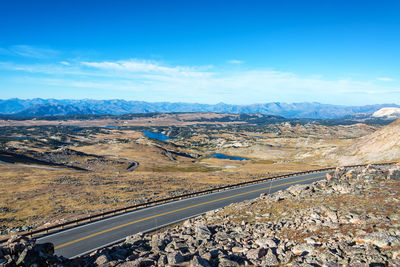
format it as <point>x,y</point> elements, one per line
<point>161,205</point>
<point>147,231</point>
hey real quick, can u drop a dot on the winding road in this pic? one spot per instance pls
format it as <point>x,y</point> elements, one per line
<point>84,239</point>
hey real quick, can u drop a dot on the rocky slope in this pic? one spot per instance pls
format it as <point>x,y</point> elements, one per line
<point>388,113</point>
<point>350,219</point>
<point>380,146</point>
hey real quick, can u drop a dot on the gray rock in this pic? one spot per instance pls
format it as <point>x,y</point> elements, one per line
<point>255,254</point>
<point>224,262</point>
<point>238,249</point>
<point>141,262</point>
<point>102,259</point>
<point>393,263</point>
<point>198,261</point>
<point>379,239</point>
<point>266,242</point>
<point>175,258</point>
<point>128,264</point>
<point>296,190</point>
<point>202,231</point>
<point>135,239</point>
<point>303,249</point>
<point>21,257</point>
<point>163,260</point>
<point>394,174</point>
<point>270,259</point>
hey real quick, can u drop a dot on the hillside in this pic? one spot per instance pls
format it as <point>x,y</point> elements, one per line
<point>389,113</point>
<point>382,145</point>
<point>350,219</point>
<point>54,110</point>
<point>312,110</point>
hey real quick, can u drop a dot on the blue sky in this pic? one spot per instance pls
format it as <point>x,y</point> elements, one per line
<point>238,52</point>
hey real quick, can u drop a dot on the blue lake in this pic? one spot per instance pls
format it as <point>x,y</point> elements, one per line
<point>223,156</point>
<point>110,127</point>
<point>157,136</point>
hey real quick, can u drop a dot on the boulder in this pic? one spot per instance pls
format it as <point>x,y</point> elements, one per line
<point>379,239</point>
<point>270,259</point>
<point>198,261</point>
<point>102,259</point>
<point>135,239</point>
<point>296,190</point>
<point>202,231</point>
<point>175,258</point>
<point>225,262</point>
<point>394,174</point>
<point>303,249</point>
<point>257,253</point>
<point>266,242</point>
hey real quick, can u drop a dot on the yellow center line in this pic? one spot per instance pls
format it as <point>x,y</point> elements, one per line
<point>173,211</point>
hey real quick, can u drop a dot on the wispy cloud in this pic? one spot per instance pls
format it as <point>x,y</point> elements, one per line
<point>385,79</point>
<point>156,81</point>
<point>235,61</point>
<point>29,51</point>
<point>145,66</point>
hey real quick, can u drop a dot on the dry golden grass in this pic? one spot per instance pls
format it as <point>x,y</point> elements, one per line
<point>35,197</point>
<point>166,119</point>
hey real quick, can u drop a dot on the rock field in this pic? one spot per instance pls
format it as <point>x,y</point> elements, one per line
<point>350,219</point>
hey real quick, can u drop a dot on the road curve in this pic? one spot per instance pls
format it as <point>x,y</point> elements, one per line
<point>83,239</point>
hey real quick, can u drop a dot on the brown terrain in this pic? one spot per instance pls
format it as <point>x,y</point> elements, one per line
<point>349,219</point>
<point>382,145</point>
<point>92,168</point>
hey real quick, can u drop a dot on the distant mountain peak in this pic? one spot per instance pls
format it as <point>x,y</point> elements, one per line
<point>51,107</point>
<point>388,113</point>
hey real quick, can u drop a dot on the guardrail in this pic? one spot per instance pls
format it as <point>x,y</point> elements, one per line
<point>95,217</point>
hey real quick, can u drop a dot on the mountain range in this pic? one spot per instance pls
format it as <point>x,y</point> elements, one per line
<point>53,107</point>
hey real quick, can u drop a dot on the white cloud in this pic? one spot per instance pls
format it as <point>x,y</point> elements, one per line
<point>155,81</point>
<point>32,51</point>
<point>385,79</point>
<point>145,66</point>
<point>66,63</point>
<point>235,61</point>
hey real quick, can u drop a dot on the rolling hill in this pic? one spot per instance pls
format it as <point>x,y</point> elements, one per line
<point>380,146</point>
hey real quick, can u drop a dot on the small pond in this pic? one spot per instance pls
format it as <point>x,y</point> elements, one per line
<point>223,156</point>
<point>157,136</point>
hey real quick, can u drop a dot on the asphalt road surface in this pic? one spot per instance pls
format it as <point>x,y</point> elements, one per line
<point>89,237</point>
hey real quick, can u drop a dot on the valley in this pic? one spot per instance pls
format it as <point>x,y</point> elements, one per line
<point>99,163</point>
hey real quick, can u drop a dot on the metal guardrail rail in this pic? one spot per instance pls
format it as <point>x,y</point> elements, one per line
<point>96,217</point>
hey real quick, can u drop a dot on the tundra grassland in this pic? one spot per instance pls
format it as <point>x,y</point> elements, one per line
<point>98,164</point>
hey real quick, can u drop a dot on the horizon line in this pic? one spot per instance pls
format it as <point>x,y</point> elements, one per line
<point>180,102</point>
